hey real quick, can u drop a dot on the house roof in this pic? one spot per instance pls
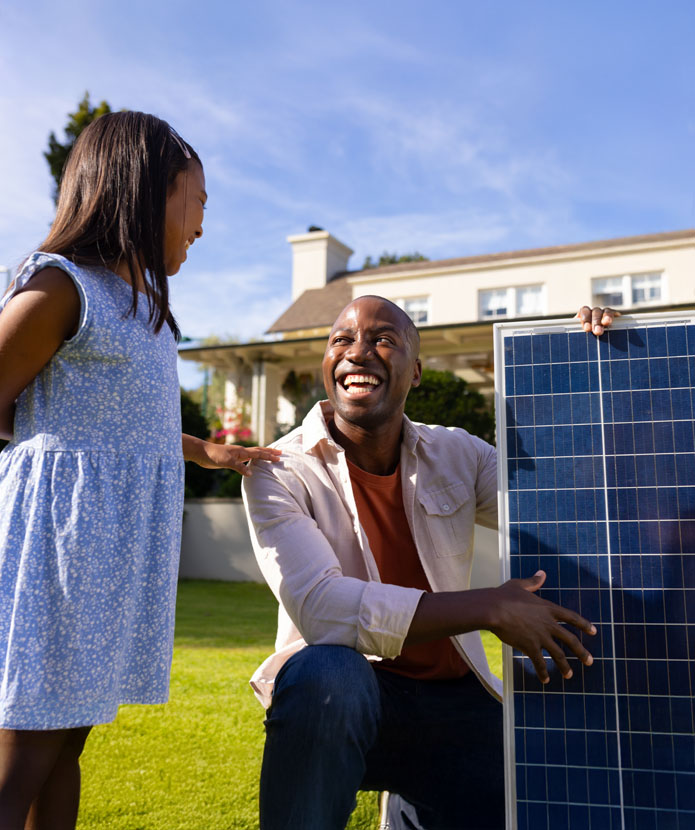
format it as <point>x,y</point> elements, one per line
<point>316,308</point>
<point>319,307</point>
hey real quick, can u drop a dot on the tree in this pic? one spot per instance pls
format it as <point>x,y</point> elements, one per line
<point>200,481</point>
<point>57,153</point>
<point>193,423</point>
<point>393,259</point>
<point>442,398</point>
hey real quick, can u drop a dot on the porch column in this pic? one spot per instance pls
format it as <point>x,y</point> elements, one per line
<point>265,390</point>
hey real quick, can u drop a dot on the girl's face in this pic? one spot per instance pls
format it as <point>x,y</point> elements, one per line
<point>183,223</point>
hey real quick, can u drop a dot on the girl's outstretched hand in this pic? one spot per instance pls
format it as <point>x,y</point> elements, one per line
<point>226,456</point>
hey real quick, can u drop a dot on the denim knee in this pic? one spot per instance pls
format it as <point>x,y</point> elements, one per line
<point>326,688</point>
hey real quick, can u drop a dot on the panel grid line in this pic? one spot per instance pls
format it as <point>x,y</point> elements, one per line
<point>610,593</point>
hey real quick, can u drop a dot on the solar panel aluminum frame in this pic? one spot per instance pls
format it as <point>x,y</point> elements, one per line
<point>501,332</point>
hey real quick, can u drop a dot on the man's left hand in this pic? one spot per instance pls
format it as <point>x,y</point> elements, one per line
<point>596,320</point>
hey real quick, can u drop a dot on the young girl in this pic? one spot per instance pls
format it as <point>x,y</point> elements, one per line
<point>91,484</point>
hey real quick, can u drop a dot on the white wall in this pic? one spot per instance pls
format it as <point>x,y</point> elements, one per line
<point>215,543</point>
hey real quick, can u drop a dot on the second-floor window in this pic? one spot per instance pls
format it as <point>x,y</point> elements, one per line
<point>628,289</point>
<point>513,301</point>
<point>417,308</point>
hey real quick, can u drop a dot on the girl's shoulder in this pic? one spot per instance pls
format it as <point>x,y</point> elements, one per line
<point>39,260</point>
<point>89,284</point>
<point>92,282</point>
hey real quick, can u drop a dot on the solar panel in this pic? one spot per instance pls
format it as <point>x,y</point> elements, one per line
<point>596,444</point>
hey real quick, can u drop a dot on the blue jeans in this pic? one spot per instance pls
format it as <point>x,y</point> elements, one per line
<point>337,725</point>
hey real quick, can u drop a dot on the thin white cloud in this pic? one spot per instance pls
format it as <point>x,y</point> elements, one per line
<point>454,233</point>
<point>238,303</point>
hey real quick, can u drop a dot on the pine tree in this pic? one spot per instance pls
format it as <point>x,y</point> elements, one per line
<point>58,152</point>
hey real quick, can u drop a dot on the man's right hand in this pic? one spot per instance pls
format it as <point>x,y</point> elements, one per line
<point>533,625</point>
<point>514,613</point>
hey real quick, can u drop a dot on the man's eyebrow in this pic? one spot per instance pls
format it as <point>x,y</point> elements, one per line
<point>204,196</point>
<point>386,327</point>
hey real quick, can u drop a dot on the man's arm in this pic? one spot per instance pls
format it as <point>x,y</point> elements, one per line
<point>305,570</point>
<point>513,613</point>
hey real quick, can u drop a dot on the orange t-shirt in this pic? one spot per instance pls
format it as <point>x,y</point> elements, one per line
<point>380,509</point>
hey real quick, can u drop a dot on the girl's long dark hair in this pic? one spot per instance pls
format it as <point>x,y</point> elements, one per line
<point>112,202</point>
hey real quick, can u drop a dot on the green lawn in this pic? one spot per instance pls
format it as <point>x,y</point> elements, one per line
<point>193,763</point>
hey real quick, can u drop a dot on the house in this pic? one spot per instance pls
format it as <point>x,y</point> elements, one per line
<point>454,303</point>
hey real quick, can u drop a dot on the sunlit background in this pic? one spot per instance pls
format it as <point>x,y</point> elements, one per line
<point>449,128</point>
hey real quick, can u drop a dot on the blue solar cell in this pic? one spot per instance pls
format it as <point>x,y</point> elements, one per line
<point>645,470</point>
<point>559,348</point>
<point>525,442</point>
<point>617,345</point>
<point>543,409</point>
<point>579,347</point>
<point>683,436</point>
<point>676,340</point>
<point>685,792</point>
<point>663,437</point>
<point>540,349</point>
<point>690,337</point>
<point>607,509</point>
<point>523,380</point>
<point>661,403</point>
<point>579,816</point>
<point>523,409</point>
<point>560,375</point>
<point>679,372</point>
<point>637,343</point>
<point>522,350</point>
<point>656,341</point>
<point>541,379</point>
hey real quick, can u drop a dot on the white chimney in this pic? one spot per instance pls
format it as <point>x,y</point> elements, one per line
<point>316,257</point>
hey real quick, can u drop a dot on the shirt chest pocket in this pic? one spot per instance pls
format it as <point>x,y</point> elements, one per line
<point>449,516</point>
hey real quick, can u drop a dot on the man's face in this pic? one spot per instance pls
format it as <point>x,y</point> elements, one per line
<point>370,365</point>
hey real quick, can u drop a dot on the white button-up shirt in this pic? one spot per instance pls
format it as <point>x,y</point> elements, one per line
<point>315,556</point>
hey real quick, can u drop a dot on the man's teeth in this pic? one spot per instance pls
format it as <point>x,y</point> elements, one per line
<point>350,379</point>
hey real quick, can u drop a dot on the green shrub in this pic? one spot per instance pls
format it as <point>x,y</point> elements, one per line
<point>442,398</point>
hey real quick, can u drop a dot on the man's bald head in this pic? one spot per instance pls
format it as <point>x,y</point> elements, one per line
<point>409,329</point>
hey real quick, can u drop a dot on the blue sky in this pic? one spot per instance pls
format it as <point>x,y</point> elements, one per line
<point>450,127</point>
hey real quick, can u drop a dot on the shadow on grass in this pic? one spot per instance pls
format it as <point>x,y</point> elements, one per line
<point>225,615</point>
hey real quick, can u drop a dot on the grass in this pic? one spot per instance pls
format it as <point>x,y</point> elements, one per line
<point>193,764</point>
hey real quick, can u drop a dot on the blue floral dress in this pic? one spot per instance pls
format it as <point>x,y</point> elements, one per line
<point>91,499</point>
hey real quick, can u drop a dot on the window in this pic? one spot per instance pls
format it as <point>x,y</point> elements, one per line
<point>417,308</point>
<point>629,289</point>
<point>514,301</point>
<point>646,288</point>
<point>529,300</point>
<point>607,291</point>
<point>493,303</point>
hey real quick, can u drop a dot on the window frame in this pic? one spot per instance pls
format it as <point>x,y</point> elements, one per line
<point>427,300</point>
<point>628,288</point>
<point>512,304</point>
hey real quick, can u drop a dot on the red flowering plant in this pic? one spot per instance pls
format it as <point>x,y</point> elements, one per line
<point>230,427</point>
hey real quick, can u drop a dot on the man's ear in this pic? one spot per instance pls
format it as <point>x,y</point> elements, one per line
<point>417,373</point>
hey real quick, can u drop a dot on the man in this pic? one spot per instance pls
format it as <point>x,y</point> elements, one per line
<point>364,532</point>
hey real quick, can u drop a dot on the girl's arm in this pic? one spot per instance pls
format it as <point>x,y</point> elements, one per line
<point>33,326</point>
<point>213,456</point>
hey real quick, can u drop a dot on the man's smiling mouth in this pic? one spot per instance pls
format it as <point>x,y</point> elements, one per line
<point>359,384</point>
